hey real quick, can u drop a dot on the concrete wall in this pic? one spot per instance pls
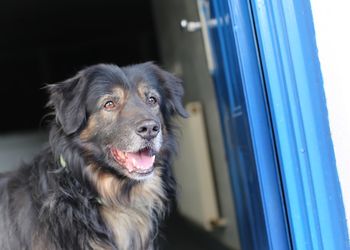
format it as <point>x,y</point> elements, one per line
<point>332,20</point>
<point>183,53</point>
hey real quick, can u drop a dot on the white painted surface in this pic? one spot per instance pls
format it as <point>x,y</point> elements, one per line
<point>332,21</point>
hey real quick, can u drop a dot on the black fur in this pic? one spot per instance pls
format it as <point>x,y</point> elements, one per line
<point>44,205</point>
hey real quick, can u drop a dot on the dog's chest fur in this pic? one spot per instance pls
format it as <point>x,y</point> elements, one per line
<point>131,228</point>
<point>133,223</point>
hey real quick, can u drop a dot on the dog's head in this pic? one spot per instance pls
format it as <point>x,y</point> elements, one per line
<point>119,114</point>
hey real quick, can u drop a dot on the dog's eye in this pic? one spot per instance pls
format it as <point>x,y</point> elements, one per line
<point>109,105</point>
<point>152,100</point>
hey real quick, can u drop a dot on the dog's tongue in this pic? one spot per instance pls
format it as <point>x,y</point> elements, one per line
<point>140,160</point>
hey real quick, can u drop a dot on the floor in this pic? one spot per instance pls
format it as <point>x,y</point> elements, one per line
<point>180,234</point>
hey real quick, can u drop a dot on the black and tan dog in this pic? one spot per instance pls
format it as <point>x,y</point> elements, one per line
<point>104,181</point>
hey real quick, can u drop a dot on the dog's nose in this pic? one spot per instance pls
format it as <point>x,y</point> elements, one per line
<point>148,129</point>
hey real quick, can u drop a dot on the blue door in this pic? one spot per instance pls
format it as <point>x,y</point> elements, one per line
<point>270,94</point>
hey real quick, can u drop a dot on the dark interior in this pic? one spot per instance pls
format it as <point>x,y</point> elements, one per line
<point>48,41</point>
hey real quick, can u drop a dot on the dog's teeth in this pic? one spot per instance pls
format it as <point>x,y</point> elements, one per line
<point>134,162</point>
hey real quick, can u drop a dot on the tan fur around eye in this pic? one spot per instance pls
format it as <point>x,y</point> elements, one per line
<point>142,88</point>
<point>120,93</point>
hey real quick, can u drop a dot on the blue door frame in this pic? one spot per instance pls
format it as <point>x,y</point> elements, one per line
<point>248,138</point>
<point>270,93</point>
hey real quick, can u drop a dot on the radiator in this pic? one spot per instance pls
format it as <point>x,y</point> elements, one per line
<point>197,199</point>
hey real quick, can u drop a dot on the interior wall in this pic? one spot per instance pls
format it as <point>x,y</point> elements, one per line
<point>331,20</point>
<point>183,54</point>
<point>17,148</point>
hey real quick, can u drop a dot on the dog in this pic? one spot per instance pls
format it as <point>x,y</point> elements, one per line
<point>104,179</point>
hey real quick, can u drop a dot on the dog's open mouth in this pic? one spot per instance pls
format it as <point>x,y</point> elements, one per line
<point>140,162</point>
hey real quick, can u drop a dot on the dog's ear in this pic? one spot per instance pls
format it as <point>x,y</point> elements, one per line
<point>67,99</point>
<point>173,90</point>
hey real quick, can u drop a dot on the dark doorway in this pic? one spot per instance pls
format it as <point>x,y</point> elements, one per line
<point>47,41</point>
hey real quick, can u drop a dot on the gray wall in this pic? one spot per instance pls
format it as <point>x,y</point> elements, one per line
<point>16,148</point>
<point>183,54</point>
